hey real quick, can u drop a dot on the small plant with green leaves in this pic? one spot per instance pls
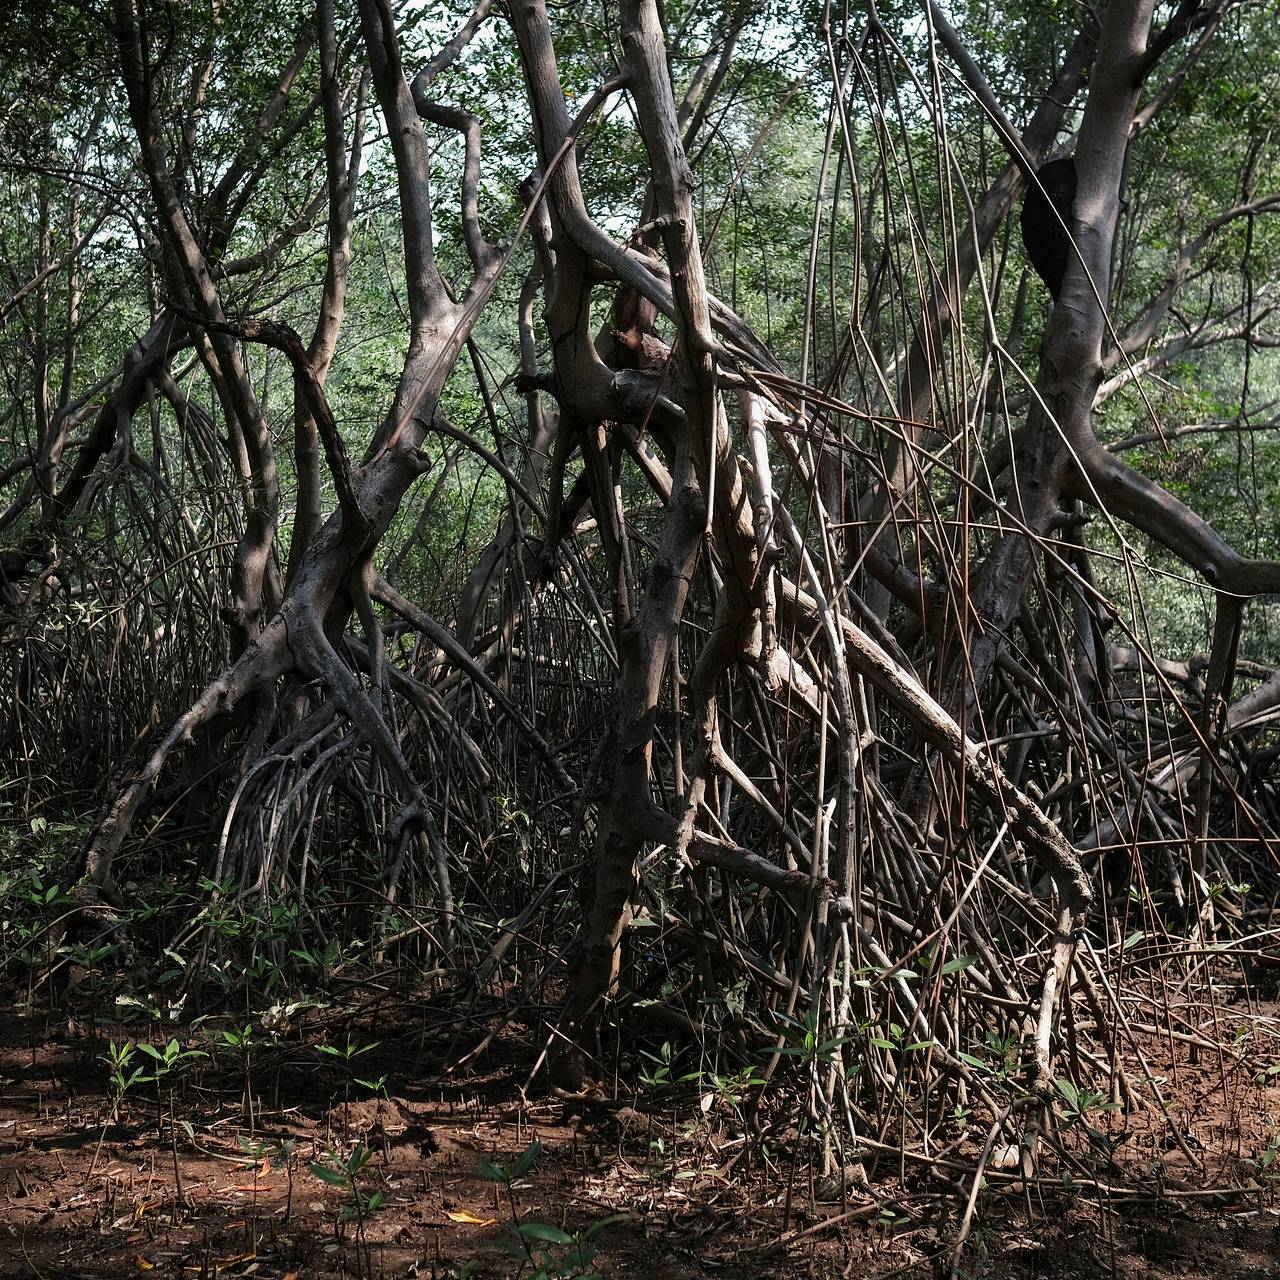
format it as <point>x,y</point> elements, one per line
<point>376,1086</point>
<point>1003,1060</point>
<point>805,1040</point>
<point>556,1254</point>
<point>88,957</point>
<point>262,975</point>
<point>96,983</point>
<point>729,1091</point>
<point>347,1056</point>
<point>323,960</point>
<point>33,871</point>
<point>1081,1104</point>
<point>124,1071</point>
<point>1267,1163</point>
<point>552,1252</point>
<point>346,1174</point>
<point>1214,890</point>
<point>238,1039</point>
<point>890,1218</point>
<point>241,1042</point>
<point>122,1074</point>
<point>348,1053</point>
<point>168,1060</point>
<point>658,1076</point>
<point>663,1169</point>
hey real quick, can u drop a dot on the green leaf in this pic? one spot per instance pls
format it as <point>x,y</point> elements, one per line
<point>334,1177</point>
<point>596,1227</point>
<point>544,1231</point>
<point>830,1046</point>
<point>494,1173</point>
<point>527,1159</point>
<point>957,963</point>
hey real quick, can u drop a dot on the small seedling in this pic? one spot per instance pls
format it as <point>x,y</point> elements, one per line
<point>122,1074</point>
<point>349,1053</point>
<point>347,1057</point>
<point>659,1076</point>
<point>1081,1104</point>
<point>345,1175</point>
<point>377,1087</point>
<point>551,1251</point>
<point>1266,1161</point>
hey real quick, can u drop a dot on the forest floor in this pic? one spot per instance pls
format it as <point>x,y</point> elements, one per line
<point>88,1187</point>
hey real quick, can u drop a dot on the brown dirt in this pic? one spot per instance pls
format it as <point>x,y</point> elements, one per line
<point>82,1195</point>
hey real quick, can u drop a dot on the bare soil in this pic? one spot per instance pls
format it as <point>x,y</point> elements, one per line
<point>88,1189</point>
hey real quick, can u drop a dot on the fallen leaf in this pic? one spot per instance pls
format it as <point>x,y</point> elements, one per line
<point>141,1264</point>
<point>221,1264</point>
<point>470,1219</point>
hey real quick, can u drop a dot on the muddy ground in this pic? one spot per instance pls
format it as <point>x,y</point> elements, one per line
<point>183,1178</point>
